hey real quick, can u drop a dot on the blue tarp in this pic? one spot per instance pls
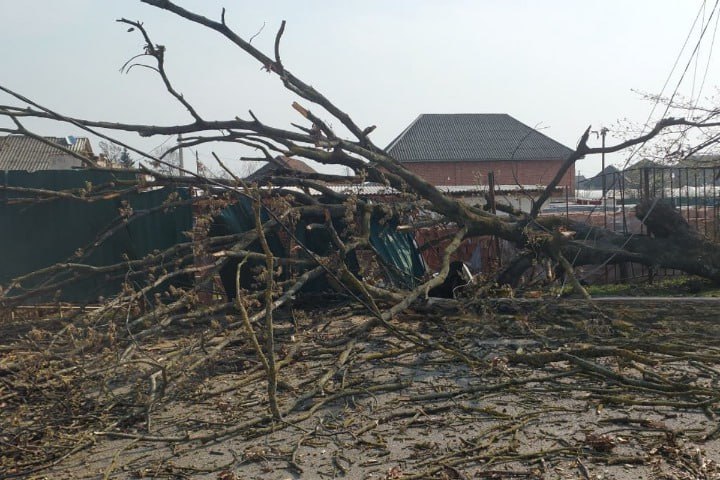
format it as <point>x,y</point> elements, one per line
<point>397,250</point>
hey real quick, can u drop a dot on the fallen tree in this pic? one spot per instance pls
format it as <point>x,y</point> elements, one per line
<point>151,306</point>
<point>318,142</point>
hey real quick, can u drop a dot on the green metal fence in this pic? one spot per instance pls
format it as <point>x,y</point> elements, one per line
<point>43,231</point>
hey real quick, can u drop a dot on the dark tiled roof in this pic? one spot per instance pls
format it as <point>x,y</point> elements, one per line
<point>18,152</point>
<point>473,137</point>
<point>283,162</point>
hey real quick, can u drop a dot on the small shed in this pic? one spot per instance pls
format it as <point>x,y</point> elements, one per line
<point>279,165</point>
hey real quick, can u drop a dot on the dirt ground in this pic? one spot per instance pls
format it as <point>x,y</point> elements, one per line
<point>504,389</point>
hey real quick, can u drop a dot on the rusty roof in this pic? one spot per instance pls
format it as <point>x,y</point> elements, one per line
<point>281,163</point>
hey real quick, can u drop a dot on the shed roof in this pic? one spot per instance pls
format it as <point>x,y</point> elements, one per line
<point>18,152</point>
<point>473,137</point>
<point>281,163</point>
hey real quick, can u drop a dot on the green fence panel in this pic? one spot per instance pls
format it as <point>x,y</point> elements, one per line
<point>399,252</point>
<point>41,234</point>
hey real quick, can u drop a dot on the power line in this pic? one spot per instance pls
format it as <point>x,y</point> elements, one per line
<point>694,52</point>
<point>161,143</point>
<point>707,65</point>
<point>667,81</point>
<point>657,100</point>
<point>683,133</point>
<point>697,57</point>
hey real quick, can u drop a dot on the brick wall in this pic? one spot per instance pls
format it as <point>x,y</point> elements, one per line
<point>535,172</point>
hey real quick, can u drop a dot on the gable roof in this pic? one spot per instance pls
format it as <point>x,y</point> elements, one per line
<point>473,137</point>
<point>18,152</point>
<point>281,163</point>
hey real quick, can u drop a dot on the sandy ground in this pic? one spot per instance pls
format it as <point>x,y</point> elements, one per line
<point>395,409</point>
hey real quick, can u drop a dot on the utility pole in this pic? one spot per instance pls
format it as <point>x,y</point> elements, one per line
<point>181,165</point>
<point>603,132</point>
<point>577,184</point>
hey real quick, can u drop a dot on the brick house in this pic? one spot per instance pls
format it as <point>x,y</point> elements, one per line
<point>460,149</point>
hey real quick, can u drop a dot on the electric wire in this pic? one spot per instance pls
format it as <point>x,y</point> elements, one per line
<point>665,84</point>
<point>682,134</point>
<point>669,103</point>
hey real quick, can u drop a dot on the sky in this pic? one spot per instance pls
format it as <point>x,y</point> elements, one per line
<point>556,65</point>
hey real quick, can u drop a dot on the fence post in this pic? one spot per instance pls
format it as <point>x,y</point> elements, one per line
<point>491,191</point>
<point>493,209</point>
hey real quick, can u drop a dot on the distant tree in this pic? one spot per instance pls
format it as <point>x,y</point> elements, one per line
<point>170,164</point>
<point>116,155</point>
<point>125,160</point>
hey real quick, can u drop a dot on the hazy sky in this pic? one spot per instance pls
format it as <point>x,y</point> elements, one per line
<point>556,64</point>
